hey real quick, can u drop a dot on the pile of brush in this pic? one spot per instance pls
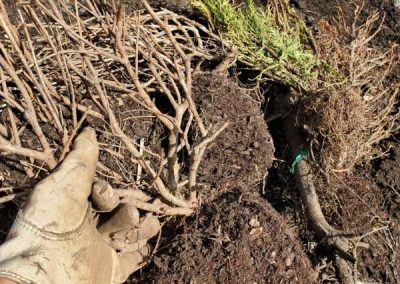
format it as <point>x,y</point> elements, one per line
<point>67,64</point>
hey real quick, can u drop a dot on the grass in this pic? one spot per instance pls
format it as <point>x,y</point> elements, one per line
<point>272,42</point>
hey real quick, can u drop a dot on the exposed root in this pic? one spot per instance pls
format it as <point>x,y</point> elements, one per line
<point>330,236</point>
<point>357,108</point>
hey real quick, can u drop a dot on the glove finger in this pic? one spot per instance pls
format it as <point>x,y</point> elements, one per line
<point>104,197</point>
<point>125,218</point>
<point>129,263</point>
<point>130,240</point>
<point>59,202</point>
<point>148,228</point>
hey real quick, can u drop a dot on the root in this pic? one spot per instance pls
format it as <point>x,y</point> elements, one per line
<point>330,236</point>
<point>357,107</point>
<point>64,56</point>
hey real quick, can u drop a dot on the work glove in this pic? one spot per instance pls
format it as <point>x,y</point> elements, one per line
<point>55,238</point>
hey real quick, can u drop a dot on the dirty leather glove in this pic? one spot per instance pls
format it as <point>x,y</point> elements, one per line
<point>54,238</point>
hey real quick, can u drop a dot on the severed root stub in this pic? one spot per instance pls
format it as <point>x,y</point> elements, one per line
<point>106,199</point>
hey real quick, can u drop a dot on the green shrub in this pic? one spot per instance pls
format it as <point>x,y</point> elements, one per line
<point>272,44</point>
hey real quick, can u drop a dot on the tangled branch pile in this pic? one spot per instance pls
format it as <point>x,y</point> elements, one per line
<point>351,118</point>
<point>68,63</point>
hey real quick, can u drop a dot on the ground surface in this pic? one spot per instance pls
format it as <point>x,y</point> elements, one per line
<point>243,233</point>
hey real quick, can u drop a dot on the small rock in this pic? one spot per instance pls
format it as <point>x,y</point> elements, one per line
<point>120,102</point>
<point>289,259</point>
<point>256,232</point>
<point>254,222</point>
<point>256,145</point>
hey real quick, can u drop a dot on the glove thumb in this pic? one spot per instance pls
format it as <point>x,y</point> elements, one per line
<point>59,202</point>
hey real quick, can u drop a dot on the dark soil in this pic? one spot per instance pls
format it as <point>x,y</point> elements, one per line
<point>179,6</point>
<point>382,261</point>
<point>243,153</point>
<point>388,174</point>
<point>238,238</point>
<point>315,10</point>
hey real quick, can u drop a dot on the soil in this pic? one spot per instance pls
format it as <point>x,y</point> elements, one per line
<point>388,174</point>
<point>179,6</point>
<point>243,153</point>
<point>315,10</point>
<point>238,238</point>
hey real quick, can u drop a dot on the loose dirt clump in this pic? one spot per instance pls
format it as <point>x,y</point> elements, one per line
<point>241,155</point>
<point>236,239</point>
<point>178,6</point>
<point>348,194</point>
<point>388,174</point>
<point>380,263</point>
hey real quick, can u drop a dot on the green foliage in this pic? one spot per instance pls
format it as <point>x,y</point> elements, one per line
<point>265,40</point>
